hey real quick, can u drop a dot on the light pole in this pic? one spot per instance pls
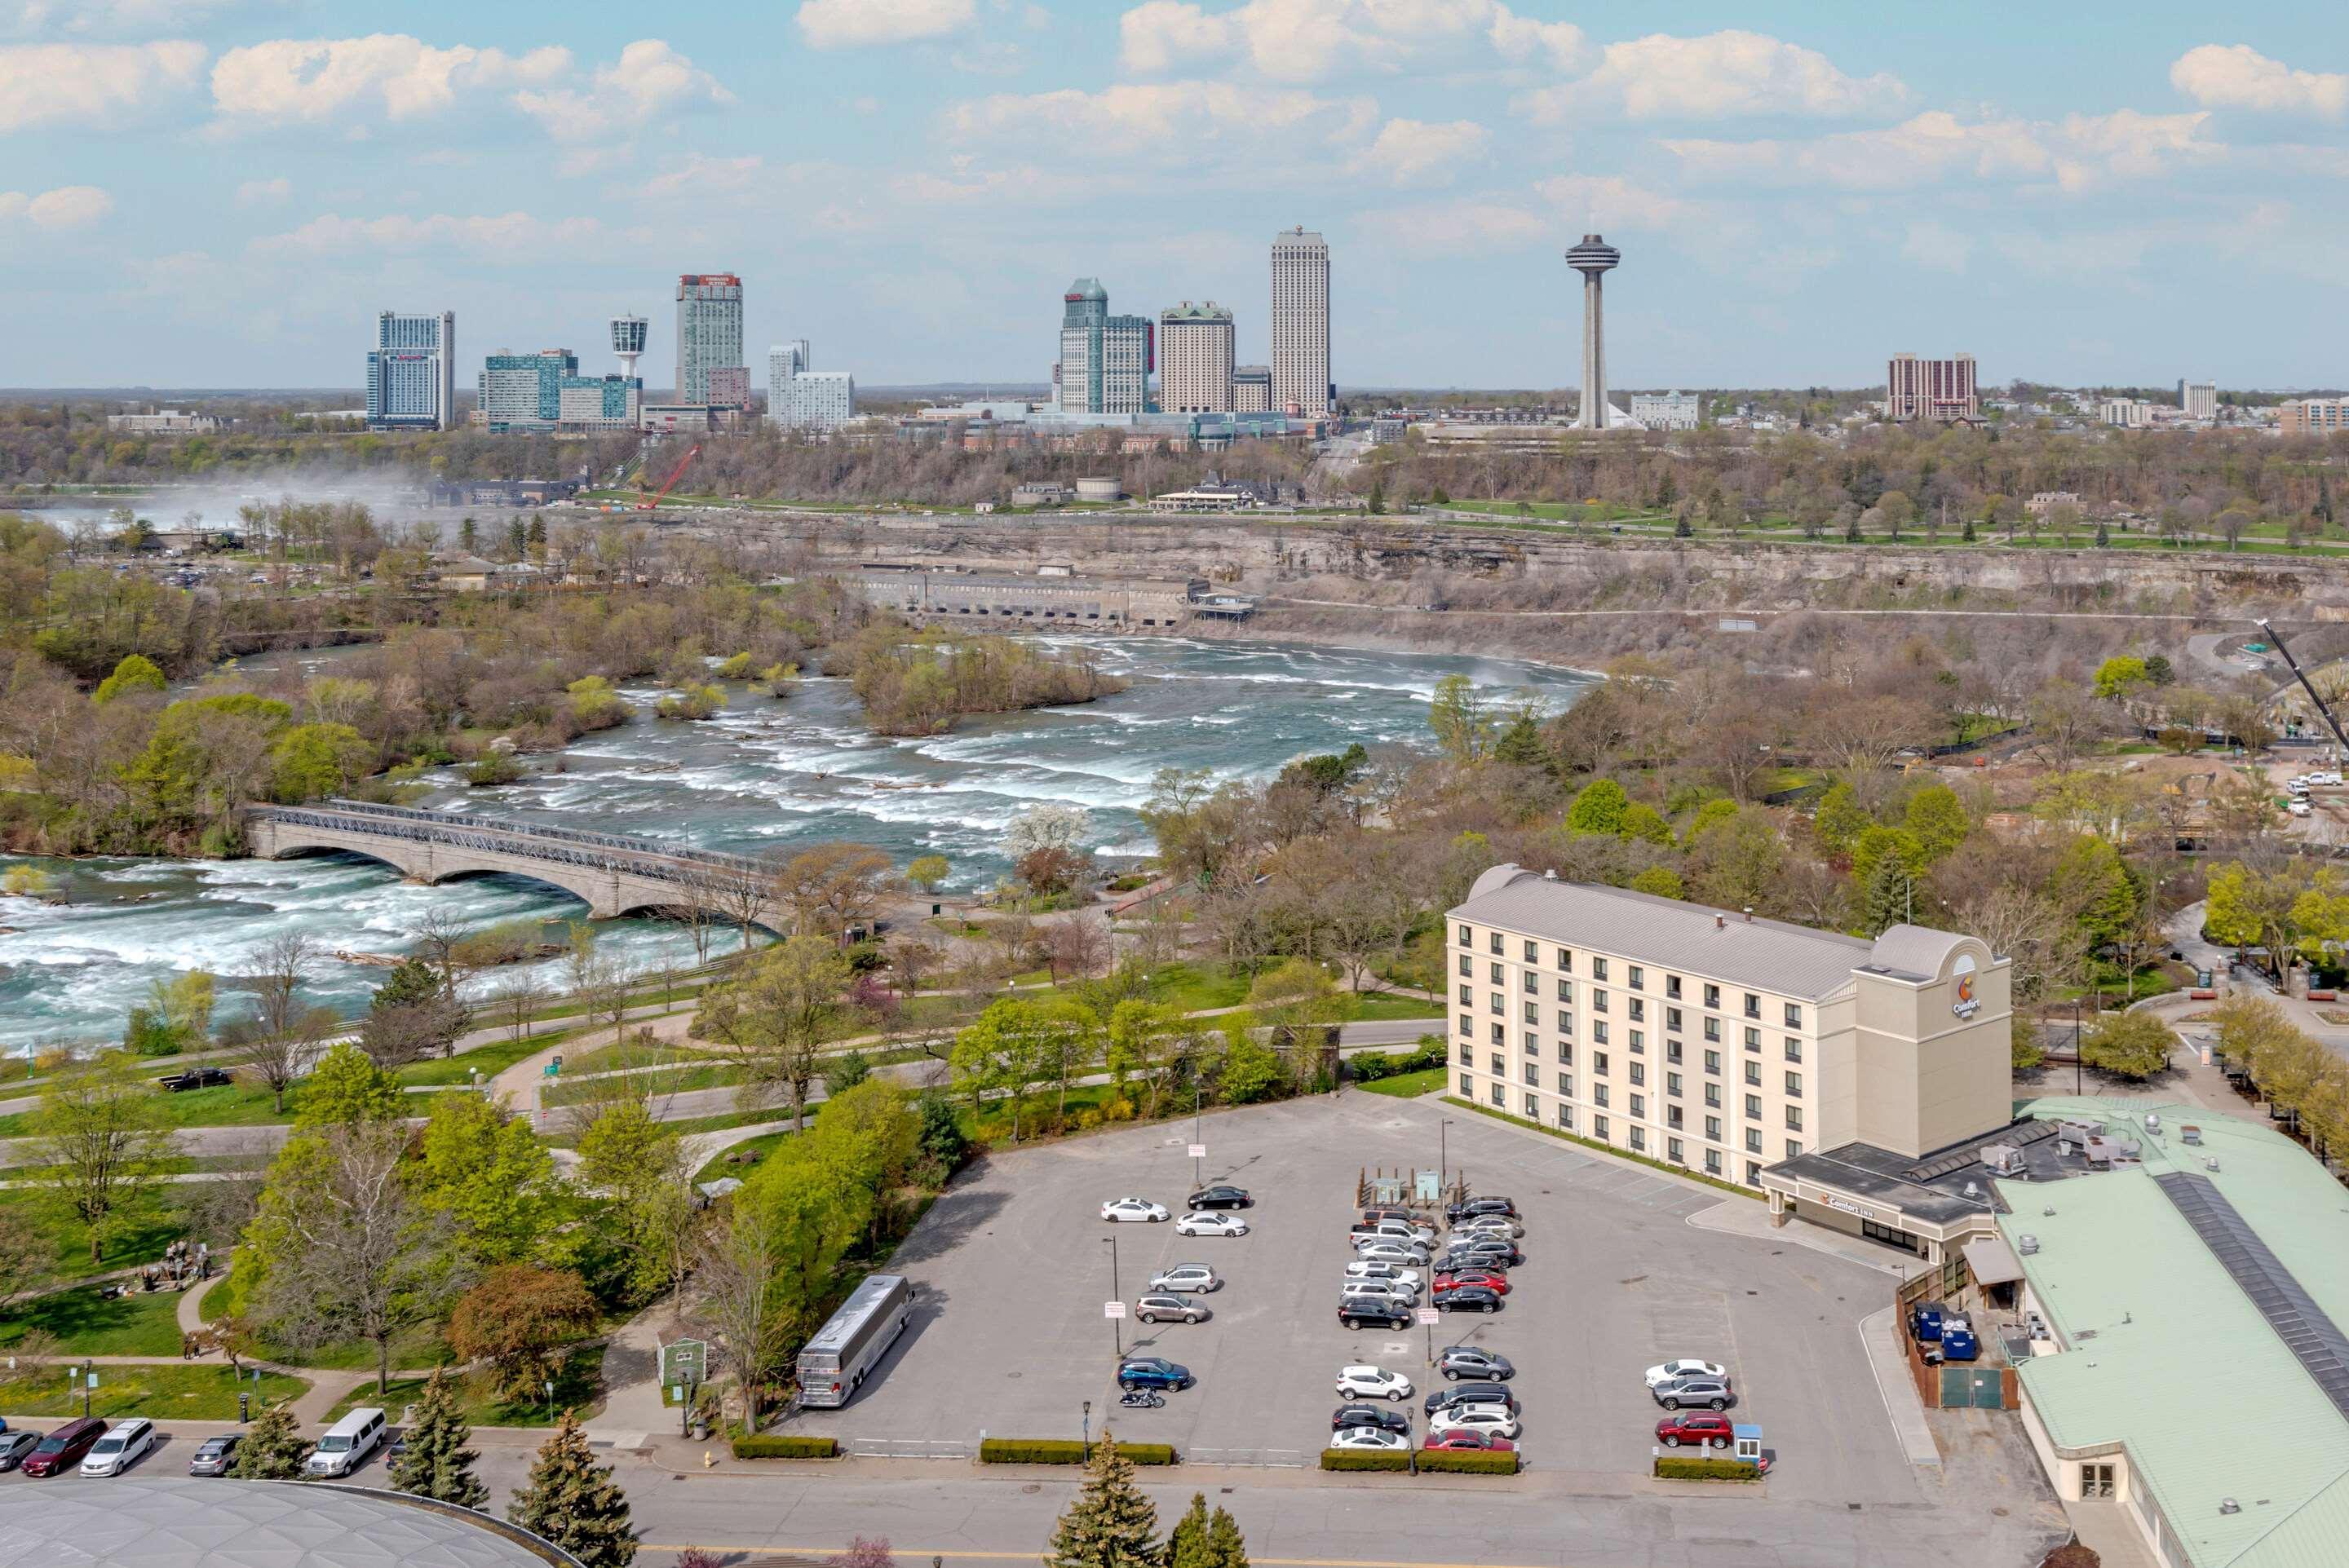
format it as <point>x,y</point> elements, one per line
<point>1196,1140</point>
<point>1117,1292</point>
<point>2076,1089</point>
<point>1089,1431</point>
<point>550,1401</point>
<point>1443,1156</point>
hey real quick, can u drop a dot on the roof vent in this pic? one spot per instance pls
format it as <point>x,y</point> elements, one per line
<point>2211,1162</point>
<point>2048,1212</point>
<point>1749,914</point>
<point>1973,1191</point>
<point>2026,1245</point>
<point>1550,875</point>
<point>1721,923</point>
<point>2229,1505</point>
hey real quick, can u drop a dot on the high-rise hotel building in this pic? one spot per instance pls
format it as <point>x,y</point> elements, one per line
<point>1300,322</point>
<point>1195,359</point>
<point>1105,360</point>
<point>412,372</point>
<point>709,338</point>
<point>1941,389</point>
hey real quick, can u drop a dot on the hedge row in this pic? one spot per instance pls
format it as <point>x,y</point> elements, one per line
<point>1461,1461</point>
<point>1061,1452</point>
<point>786,1448</point>
<point>1667,1167</point>
<point>1705,1469</point>
<point>1369,1067</point>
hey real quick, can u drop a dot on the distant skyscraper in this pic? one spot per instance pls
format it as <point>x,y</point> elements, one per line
<point>1252,389</point>
<point>544,391</point>
<point>1594,259</point>
<point>708,335</point>
<point>412,372</point>
<point>800,397</point>
<point>628,341</point>
<point>1195,358</point>
<point>1918,388</point>
<point>2199,399</point>
<point>1300,321</point>
<point>1105,360</point>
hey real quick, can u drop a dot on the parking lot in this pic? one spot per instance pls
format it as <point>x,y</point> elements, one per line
<point>1014,1265</point>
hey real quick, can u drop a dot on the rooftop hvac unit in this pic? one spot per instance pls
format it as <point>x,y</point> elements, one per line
<point>2026,1245</point>
<point>2001,1159</point>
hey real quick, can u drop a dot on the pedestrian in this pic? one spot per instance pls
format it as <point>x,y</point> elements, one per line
<point>187,1346</point>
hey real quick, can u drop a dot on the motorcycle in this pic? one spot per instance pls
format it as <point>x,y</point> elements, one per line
<point>1140,1400</point>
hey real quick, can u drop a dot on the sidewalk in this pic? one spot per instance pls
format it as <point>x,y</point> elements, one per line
<point>633,1408</point>
<point>1900,1400</point>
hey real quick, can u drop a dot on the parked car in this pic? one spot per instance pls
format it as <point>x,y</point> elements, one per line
<point>1391,1252</point>
<point>1395,1231</point>
<point>1134,1211</point>
<point>1372,1383</point>
<point>63,1449</point>
<point>1460,1361</point>
<point>1925,1322</point>
<point>1221,1196</point>
<point>1668,1370</point>
<point>1165,1304</point>
<point>1372,1216</point>
<point>1492,1419</point>
<point>1369,1437</point>
<point>1210,1222</point>
<point>345,1445</point>
<point>1466,1438</point>
<point>1466,1299</point>
<point>1153,1372</point>
<point>1369,1415</point>
<point>214,1455</point>
<point>1472,1394</point>
<point>1957,1341</point>
<point>1493,1280</point>
<point>1377,1290</point>
<point>1489,1225</point>
<point>15,1445</point>
<point>1701,1427</point>
<point>1186,1277</point>
<point>1713,1393</point>
<point>1367,1268</point>
<point>1457,1213</point>
<point>120,1448</point>
<point>1491,1249</point>
<point>195,1078</point>
<point>2299,808</point>
<point>1373,1311</point>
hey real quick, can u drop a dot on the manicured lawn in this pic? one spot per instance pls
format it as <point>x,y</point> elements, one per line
<point>1196,988</point>
<point>174,1390</point>
<point>1407,1086</point>
<point>1373,1010</point>
<point>144,1322</point>
<point>722,1163</point>
<point>609,1058</point>
<point>578,1386</point>
<point>491,1060</point>
<point>138,1234</point>
<point>671,1080</point>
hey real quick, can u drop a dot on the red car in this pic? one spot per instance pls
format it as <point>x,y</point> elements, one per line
<point>1699,1426</point>
<point>1461,1437</point>
<point>1491,1279</point>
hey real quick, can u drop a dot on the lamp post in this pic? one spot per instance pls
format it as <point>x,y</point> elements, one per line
<point>1089,1431</point>
<point>1117,1294</point>
<point>550,1401</point>
<point>2077,1084</point>
<point>1443,1156</point>
<point>1196,1140</point>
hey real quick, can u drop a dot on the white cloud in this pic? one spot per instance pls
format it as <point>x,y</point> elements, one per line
<point>1603,202</point>
<point>314,79</point>
<point>77,84</point>
<point>1465,227</point>
<point>2236,75</point>
<point>1310,40</point>
<point>261,192</point>
<point>1936,146</point>
<point>648,79</point>
<point>1720,76</point>
<point>847,24</point>
<point>1168,119</point>
<point>1413,152</point>
<point>67,207</point>
<point>509,236</point>
<point>700,176</point>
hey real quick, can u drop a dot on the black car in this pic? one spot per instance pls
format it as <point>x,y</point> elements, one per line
<point>1360,1311</point>
<point>1456,1213</point>
<point>1152,1372</point>
<point>214,1455</point>
<point>1222,1197</point>
<point>1487,1249</point>
<point>1467,1298</point>
<point>1472,1394</point>
<point>1369,1416</point>
<point>1470,1258</point>
<point>1460,1361</point>
<point>14,1446</point>
<point>195,1078</point>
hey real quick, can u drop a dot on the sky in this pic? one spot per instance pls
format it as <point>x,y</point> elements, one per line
<point>223,192</point>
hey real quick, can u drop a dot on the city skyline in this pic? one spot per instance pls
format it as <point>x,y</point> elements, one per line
<point>210,195</point>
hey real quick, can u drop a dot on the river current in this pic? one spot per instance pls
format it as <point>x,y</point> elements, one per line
<point>766,773</point>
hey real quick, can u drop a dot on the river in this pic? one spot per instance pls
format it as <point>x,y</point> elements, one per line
<point>766,773</point>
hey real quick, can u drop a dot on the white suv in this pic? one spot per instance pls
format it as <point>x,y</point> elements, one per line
<point>1371,1383</point>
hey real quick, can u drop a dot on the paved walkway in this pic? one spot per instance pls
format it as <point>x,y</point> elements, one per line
<point>633,1412</point>
<point>1749,1217</point>
<point>1901,1401</point>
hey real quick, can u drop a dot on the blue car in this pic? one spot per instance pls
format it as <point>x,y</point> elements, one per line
<point>1152,1372</point>
<point>1957,1342</point>
<point>1925,1322</point>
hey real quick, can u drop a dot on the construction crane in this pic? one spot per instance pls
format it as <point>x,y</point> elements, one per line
<point>2323,709</point>
<point>653,504</point>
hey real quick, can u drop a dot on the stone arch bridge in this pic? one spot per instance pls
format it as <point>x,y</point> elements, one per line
<point>614,874</point>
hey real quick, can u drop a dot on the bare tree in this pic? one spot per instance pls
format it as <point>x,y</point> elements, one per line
<point>830,887</point>
<point>736,1269</point>
<point>219,1208</point>
<point>1078,947</point>
<point>742,894</point>
<point>518,1002</point>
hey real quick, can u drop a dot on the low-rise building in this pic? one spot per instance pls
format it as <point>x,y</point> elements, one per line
<point>2043,502</point>
<point>165,422</point>
<point>1216,494</point>
<point>2312,416</point>
<point>2125,413</point>
<point>1042,492</point>
<point>1667,410</point>
<point>1060,600</point>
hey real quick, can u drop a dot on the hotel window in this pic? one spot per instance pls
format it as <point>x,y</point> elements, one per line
<point>1671,1050</point>
<point>1533,1073</point>
<point>1533,1045</point>
<point>1793,1016</point>
<point>1753,1005</point>
<point>1565,959</point>
<point>1498,1036</point>
<point>1672,1116</point>
<point>1566,1085</point>
<point>1635,977</point>
<point>1467,995</point>
<point>1599,1128</point>
<point>1533,1107</point>
<point>1639,1105</point>
<point>1712,1029</point>
<point>1639,1011</point>
<point>1498,975</point>
<point>1533,951</point>
<point>1599,1063</point>
<point>1640,1139</point>
<point>1598,969</point>
<point>1672,1152</point>
<point>1533,1012</point>
<point>1794,1148</point>
<point>1752,1039</point>
<point>1638,1041</point>
<point>1794,1119</point>
<point>1499,1067</point>
<point>1753,1074</point>
<point>1466,1087</point>
<point>1713,996</point>
<point>1566,1053</point>
<point>1795,1084</point>
<point>1753,1107</point>
<point>1468,1025</point>
<point>1564,1022</point>
<point>1599,1001</point>
<point>1794,1049</point>
<point>1713,1094</point>
<point>1599,1033</point>
<point>1713,1062</point>
<point>1495,943</point>
<point>1639,1073</point>
<point>1599,1094</point>
<point>1672,1020</point>
<point>1467,1055</point>
<point>1565,990</point>
<point>1753,1174</point>
<point>1753,1140</point>
<point>1713,1162</point>
<point>1712,1128</point>
<point>1672,1085</point>
<point>1500,1096</point>
<point>1467,937</point>
<point>1672,986</point>
<point>1495,1004</point>
<point>1467,967</point>
<point>1566,1117</point>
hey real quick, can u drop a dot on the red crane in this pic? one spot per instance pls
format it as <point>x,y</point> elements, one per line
<point>670,483</point>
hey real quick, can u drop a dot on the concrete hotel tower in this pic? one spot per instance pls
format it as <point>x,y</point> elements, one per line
<point>1593,259</point>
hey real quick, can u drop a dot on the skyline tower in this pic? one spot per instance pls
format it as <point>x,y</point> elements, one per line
<point>709,338</point>
<point>412,372</point>
<point>1105,360</point>
<point>1594,258</point>
<point>1300,321</point>
<point>628,341</point>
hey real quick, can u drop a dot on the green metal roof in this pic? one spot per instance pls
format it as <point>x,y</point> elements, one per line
<point>2169,1357</point>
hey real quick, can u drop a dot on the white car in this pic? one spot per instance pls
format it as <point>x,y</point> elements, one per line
<point>1209,1223</point>
<point>120,1448</point>
<point>1367,1438</point>
<point>2299,808</point>
<point>1684,1369</point>
<point>1363,1268</point>
<point>1371,1383</point>
<point>1134,1211</point>
<point>1391,1252</point>
<point>1187,1277</point>
<point>1493,1420</point>
<point>1489,1225</point>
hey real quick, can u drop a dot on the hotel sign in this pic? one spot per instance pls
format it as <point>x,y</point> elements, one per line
<point>1847,1206</point>
<point>1965,1007</point>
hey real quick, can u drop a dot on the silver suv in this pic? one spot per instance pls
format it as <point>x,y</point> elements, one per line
<point>1710,1393</point>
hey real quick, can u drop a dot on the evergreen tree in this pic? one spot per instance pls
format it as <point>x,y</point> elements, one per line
<point>517,537</point>
<point>1969,534</point>
<point>1112,1524</point>
<point>273,1450</point>
<point>1520,745</point>
<point>572,1502</point>
<point>437,1463</point>
<point>1186,1543</point>
<point>1378,497</point>
<point>1225,1548</point>
<point>468,534</point>
<point>1889,894</point>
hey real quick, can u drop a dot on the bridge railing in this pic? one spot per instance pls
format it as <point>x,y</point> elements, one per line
<point>546,830</point>
<point>634,860</point>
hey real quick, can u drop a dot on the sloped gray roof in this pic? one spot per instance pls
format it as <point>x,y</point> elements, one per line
<point>1719,945</point>
<point>182,1521</point>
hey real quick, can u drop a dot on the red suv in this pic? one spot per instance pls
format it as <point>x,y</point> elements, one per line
<point>1702,1427</point>
<point>1491,1279</point>
<point>63,1449</point>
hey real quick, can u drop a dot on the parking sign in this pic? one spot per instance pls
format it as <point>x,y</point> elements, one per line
<point>1428,1315</point>
<point>1198,1151</point>
<point>1113,1309</point>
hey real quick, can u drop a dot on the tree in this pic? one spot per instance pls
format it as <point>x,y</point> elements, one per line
<point>1661,880</point>
<point>516,1319</point>
<point>436,1463</point>
<point>1298,1003</point>
<point>1937,820</point>
<point>1250,1071</point>
<point>272,1448</point>
<point>184,1006</point>
<point>2064,722</point>
<point>1878,844</point>
<point>1457,713</point>
<point>736,1274</point>
<point>100,1141</point>
<point>412,1015</point>
<point>2131,1045</point>
<point>928,871</point>
<point>637,1164</point>
<point>1050,872</point>
<point>2121,677</point>
<point>1078,948</point>
<point>1111,1524</point>
<point>1598,807</point>
<point>775,1016</point>
<point>276,1041</point>
<point>1888,896</point>
<point>347,1088</point>
<point>1840,818</point>
<point>134,673</point>
<point>2024,1053</point>
<point>1020,1043</point>
<point>573,1501</point>
<point>829,887</point>
<point>1046,825</point>
<point>1645,824</point>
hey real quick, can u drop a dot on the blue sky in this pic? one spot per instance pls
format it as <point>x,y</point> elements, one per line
<point>223,192</point>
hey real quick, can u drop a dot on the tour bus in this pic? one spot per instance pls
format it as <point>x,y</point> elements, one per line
<point>837,1360</point>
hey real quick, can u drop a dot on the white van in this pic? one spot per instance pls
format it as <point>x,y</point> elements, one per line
<point>348,1443</point>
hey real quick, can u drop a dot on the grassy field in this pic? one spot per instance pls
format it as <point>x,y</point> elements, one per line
<point>145,1323</point>
<point>1407,1086</point>
<point>578,1386</point>
<point>1376,1009</point>
<point>611,1059</point>
<point>723,1164</point>
<point>489,1060</point>
<point>139,1235</point>
<point>174,1390</point>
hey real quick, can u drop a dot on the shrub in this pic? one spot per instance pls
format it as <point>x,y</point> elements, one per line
<point>1669,1469</point>
<point>1061,1452</point>
<point>786,1448</point>
<point>494,768</point>
<point>1369,1067</point>
<point>691,700</point>
<point>1365,1460</point>
<point>1468,1462</point>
